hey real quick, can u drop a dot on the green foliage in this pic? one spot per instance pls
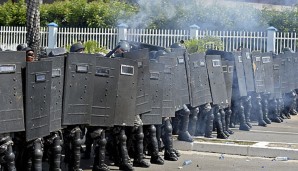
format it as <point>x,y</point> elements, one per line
<point>156,14</point>
<point>80,13</point>
<point>13,14</point>
<point>285,20</point>
<point>107,14</point>
<point>56,12</point>
<point>203,44</point>
<point>93,47</point>
<point>70,13</point>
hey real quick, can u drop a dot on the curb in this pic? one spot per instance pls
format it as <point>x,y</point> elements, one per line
<point>256,149</point>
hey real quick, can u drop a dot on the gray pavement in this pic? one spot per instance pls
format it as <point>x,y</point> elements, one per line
<point>216,162</point>
<point>277,139</point>
<point>253,150</point>
<point>286,132</point>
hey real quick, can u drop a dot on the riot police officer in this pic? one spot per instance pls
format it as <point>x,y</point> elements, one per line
<point>30,57</point>
<point>21,47</point>
<point>73,133</point>
<point>77,47</point>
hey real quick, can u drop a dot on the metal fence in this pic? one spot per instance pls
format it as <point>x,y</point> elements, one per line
<point>286,40</point>
<point>232,40</point>
<point>105,37</point>
<point>157,37</point>
<point>10,37</point>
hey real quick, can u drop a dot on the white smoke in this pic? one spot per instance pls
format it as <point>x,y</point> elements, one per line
<point>149,10</point>
<point>211,14</point>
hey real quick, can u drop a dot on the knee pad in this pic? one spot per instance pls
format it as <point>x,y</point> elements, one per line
<point>152,128</point>
<point>168,127</point>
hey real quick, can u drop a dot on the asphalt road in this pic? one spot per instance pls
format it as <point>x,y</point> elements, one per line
<point>216,162</point>
<point>285,132</point>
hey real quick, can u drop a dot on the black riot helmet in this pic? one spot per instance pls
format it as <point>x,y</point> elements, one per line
<point>21,47</point>
<point>160,53</point>
<point>77,47</point>
<point>27,49</point>
<point>124,46</point>
<point>287,49</point>
<point>152,54</point>
<point>177,45</point>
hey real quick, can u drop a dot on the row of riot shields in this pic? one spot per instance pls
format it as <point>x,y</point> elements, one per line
<point>258,72</point>
<point>240,74</point>
<point>273,74</point>
<point>44,96</point>
<point>197,79</point>
<point>74,89</point>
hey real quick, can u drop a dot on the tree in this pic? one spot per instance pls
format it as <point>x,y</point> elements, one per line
<point>285,20</point>
<point>33,25</point>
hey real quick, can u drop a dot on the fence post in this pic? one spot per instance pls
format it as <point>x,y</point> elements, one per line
<point>194,31</point>
<point>52,35</point>
<point>122,32</point>
<point>271,39</point>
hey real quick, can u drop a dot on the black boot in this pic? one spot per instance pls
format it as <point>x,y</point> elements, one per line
<point>99,150</point>
<point>281,108</point>
<point>28,155</point>
<point>293,110</point>
<point>113,146</point>
<point>278,108</point>
<point>88,143</point>
<point>274,111</point>
<point>9,156</point>
<point>55,154</point>
<point>218,124</point>
<point>157,159</point>
<point>240,107</point>
<point>293,103</point>
<point>223,121</point>
<point>210,118</point>
<point>258,109</point>
<point>169,153</point>
<point>37,155</point>
<point>76,142</point>
<point>287,105</point>
<point>176,123</point>
<point>139,156</point>
<point>233,117</point>
<point>265,108</point>
<point>184,134</point>
<point>125,164</point>
<point>176,152</point>
<point>159,137</point>
<point>247,110</point>
<point>193,118</point>
<point>153,146</point>
<point>202,121</point>
<point>228,112</point>
<point>287,113</point>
